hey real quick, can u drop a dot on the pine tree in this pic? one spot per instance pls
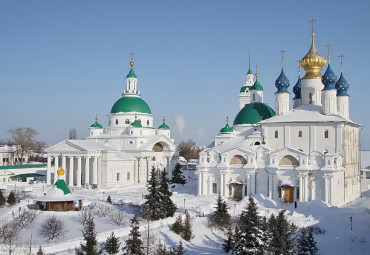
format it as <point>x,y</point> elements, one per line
<point>2,199</point>
<point>134,245</point>
<point>221,216</point>
<point>177,175</point>
<point>153,198</point>
<point>109,199</point>
<point>281,235</point>
<point>187,231</point>
<point>168,208</point>
<point>229,242</point>
<point>11,198</point>
<point>177,226</point>
<point>248,237</point>
<point>180,249</point>
<point>312,248</point>
<point>40,252</point>
<point>112,244</point>
<point>90,247</point>
<point>161,249</point>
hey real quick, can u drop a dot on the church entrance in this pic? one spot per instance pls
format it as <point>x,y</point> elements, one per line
<point>288,194</point>
<point>238,191</point>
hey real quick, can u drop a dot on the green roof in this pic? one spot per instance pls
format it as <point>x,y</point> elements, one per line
<point>242,89</point>
<point>249,71</point>
<point>136,124</point>
<point>61,184</point>
<point>24,166</point>
<point>96,125</point>
<point>253,113</point>
<point>257,86</point>
<point>130,104</point>
<point>131,74</point>
<point>21,176</point>
<point>164,126</point>
<point>226,129</point>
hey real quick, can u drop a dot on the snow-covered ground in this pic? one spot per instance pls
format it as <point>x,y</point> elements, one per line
<point>338,238</point>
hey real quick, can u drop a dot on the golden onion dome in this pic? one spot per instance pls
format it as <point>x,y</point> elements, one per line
<point>313,62</point>
<point>61,171</point>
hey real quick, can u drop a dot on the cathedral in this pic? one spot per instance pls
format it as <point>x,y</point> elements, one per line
<point>122,153</point>
<point>309,152</point>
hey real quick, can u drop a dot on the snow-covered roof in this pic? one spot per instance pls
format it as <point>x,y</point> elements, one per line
<point>55,194</point>
<point>306,113</point>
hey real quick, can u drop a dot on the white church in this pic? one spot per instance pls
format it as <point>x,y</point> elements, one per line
<point>309,152</point>
<point>122,153</point>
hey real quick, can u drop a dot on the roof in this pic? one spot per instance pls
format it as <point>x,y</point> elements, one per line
<point>136,124</point>
<point>164,126</point>
<point>96,125</point>
<point>282,82</point>
<point>329,79</point>
<point>130,104</point>
<point>27,175</point>
<point>24,166</point>
<point>256,86</point>
<point>342,86</point>
<point>226,129</point>
<point>131,74</point>
<point>253,113</point>
<point>242,89</point>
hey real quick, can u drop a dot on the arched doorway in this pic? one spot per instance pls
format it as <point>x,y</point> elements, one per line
<point>288,192</point>
<point>157,147</point>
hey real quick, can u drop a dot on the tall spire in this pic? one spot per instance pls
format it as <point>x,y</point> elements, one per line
<point>313,62</point>
<point>249,70</point>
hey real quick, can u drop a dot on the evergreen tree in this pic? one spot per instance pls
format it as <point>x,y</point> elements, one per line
<point>11,198</point>
<point>229,242</point>
<point>281,235</point>
<point>134,245</point>
<point>40,252</point>
<point>161,249</point>
<point>177,175</point>
<point>187,231</point>
<point>109,199</point>
<point>168,208</point>
<point>177,226</point>
<point>221,216</point>
<point>248,237</point>
<point>179,250</point>
<point>153,198</point>
<point>90,247</point>
<point>112,244</point>
<point>266,235</point>
<point>306,245</point>
<point>2,199</point>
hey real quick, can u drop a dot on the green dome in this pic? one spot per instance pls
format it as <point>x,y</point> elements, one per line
<point>131,74</point>
<point>226,129</point>
<point>130,104</point>
<point>136,124</point>
<point>164,126</point>
<point>96,125</point>
<point>253,113</point>
<point>242,89</point>
<point>257,86</point>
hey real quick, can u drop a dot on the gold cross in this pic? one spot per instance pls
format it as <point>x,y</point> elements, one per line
<point>312,21</point>
<point>341,62</point>
<point>328,46</point>
<point>132,56</point>
<point>257,69</point>
<point>282,56</point>
<point>96,117</point>
<point>299,66</point>
<point>227,119</point>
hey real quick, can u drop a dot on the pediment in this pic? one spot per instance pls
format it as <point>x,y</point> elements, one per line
<point>65,146</point>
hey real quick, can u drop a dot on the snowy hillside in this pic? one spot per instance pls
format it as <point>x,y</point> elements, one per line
<point>338,238</point>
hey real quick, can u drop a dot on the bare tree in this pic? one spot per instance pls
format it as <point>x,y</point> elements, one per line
<point>52,228</point>
<point>72,134</point>
<point>24,139</point>
<point>189,150</point>
<point>118,217</point>
<point>29,246</point>
<point>9,237</point>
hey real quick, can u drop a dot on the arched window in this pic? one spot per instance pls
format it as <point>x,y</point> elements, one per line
<point>300,133</point>
<point>310,98</point>
<point>127,121</point>
<point>238,160</point>
<point>326,133</point>
<point>157,147</point>
<point>254,97</point>
<point>147,122</point>
<point>257,143</point>
<point>288,160</point>
<point>276,135</point>
<point>116,121</point>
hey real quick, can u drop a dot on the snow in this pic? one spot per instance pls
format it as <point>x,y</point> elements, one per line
<point>338,238</point>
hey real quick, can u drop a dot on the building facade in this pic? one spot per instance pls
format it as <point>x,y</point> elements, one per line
<point>309,152</point>
<point>122,153</point>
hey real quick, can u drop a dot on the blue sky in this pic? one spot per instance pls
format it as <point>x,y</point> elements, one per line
<point>62,62</point>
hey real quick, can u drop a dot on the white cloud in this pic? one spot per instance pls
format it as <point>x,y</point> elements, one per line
<point>179,123</point>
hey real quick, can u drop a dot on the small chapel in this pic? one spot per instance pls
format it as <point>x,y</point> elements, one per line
<point>310,151</point>
<point>123,153</point>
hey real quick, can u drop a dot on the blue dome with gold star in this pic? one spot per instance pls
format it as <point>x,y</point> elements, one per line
<point>342,86</point>
<point>282,82</point>
<point>329,79</point>
<point>297,89</point>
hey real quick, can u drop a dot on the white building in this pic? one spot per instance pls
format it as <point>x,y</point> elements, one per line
<point>122,153</point>
<point>310,152</point>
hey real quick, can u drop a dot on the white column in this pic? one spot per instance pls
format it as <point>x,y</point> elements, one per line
<point>200,183</point>
<point>99,179</point>
<point>222,185</point>
<point>253,186</point>
<point>48,171</point>
<point>87,170</point>
<point>270,186</point>
<point>95,171</point>
<point>331,190</point>
<point>248,185</point>
<point>243,190</point>
<point>70,177</point>
<point>56,167</point>
<point>78,171</point>
<point>301,189</point>
<point>306,188</point>
<point>274,187</point>
<point>64,167</point>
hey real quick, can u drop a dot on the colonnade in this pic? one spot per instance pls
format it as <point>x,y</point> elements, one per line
<point>81,170</point>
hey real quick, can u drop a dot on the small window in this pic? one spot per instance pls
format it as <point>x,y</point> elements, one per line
<point>117,177</point>
<point>214,188</point>
<point>254,97</point>
<point>257,143</point>
<point>300,133</point>
<point>139,120</point>
<point>127,121</point>
<point>326,133</point>
<point>276,134</point>
<point>310,98</point>
<point>116,121</point>
<point>130,142</point>
<point>128,176</point>
<point>147,122</point>
<point>132,132</point>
